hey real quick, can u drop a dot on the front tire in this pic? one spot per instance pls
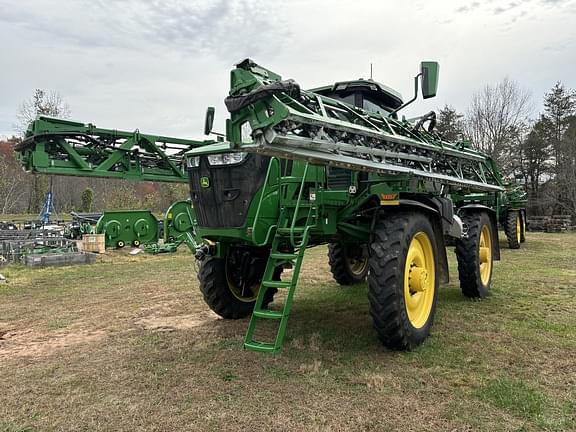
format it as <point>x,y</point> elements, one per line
<point>348,263</point>
<point>403,279</point>
<point>475,254</point>
<point>224,293</point>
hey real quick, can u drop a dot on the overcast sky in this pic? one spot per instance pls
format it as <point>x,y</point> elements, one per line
<point>156,65</point>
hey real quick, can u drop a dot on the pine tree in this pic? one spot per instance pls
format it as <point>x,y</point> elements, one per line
<point>450,124</point>
<point>559,110</point>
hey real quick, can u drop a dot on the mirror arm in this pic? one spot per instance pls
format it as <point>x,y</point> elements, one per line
<point>411,100</point>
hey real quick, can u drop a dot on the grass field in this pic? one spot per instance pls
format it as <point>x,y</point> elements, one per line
<point>128,344</point>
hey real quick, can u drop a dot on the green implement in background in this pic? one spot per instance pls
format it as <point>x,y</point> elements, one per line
<point>128,228</point>
<point>63,147</point>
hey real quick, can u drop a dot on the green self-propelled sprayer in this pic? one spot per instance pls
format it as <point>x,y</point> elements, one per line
<point>334,165</point>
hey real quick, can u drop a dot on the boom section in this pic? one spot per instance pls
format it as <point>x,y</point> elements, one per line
<point>277,118</point>
<point>63,147</point>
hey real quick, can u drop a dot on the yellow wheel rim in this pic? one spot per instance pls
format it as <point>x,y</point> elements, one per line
<point>357,266</point>
<point>246,295</point>
<point>485,255</point>
<point>524,226</point>
<point>518,229</point>
<point>419,280</point>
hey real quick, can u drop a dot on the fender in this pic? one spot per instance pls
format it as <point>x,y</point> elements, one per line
<point>478,207</point>
<point>414,203</point>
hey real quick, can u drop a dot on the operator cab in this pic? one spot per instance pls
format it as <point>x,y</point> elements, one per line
<point>366,94</point>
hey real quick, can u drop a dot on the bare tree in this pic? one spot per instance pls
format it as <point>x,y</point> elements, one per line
<point>41,103</point>
<point>496,116</point>
<point>11,191</point>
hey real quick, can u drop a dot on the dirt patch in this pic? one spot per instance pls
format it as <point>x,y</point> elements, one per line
<point>29,343</point>
<point>175,322</point>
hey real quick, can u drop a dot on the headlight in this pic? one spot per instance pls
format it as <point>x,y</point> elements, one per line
<point>193,162</point>
<point>226,158</point>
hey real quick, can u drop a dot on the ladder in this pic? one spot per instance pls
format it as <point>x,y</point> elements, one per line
<point>288,248</point>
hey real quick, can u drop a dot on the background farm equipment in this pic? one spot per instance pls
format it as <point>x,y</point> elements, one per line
<point>17,245</point>
<point>128,228</point>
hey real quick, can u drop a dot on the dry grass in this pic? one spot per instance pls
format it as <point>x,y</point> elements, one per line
<point>128,344</point>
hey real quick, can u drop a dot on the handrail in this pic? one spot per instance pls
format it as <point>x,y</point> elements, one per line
<point>273,161</point>
<point>297,208</point>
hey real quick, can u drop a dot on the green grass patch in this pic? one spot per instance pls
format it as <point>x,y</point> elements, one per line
<point>515,396</point>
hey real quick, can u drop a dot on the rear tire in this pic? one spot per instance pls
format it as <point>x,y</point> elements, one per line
<point>222,294</point>
<point>403,279</point>
<point>348,263</point>
<point>523,227</point>
<point>513,229</point>
<point>475,254</point>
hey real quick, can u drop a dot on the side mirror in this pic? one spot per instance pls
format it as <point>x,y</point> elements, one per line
<point>209,120</point>
<point>429,71</point>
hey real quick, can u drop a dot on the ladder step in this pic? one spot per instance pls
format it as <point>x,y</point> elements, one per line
<point>276,284</point>
<point>283,256</point>
<point>268,314</point>
<point>261,346</point>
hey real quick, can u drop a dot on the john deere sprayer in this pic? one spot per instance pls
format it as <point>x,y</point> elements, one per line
<point>334,165</point>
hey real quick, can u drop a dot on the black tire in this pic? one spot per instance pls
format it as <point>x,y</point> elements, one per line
<point>218,295</point>
<point>513,229</point>
<point>136,243</point>
<point>120,244</point>
<point>348,263</point>
<point>470,272</point>
<point>393,237</point>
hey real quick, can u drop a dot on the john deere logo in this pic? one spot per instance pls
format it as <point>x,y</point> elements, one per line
<point>204,182</point>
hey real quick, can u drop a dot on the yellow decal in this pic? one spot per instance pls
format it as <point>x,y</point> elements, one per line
<point>389,199</point>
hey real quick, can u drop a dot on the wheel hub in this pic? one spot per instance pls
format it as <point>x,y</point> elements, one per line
<point>484,254</point>
<point>418,279</point>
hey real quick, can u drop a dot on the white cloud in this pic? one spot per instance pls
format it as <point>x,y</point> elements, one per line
<point>156,65</point>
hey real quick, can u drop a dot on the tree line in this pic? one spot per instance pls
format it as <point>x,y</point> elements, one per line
<point>22,192</point>
<point>538,151</point>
